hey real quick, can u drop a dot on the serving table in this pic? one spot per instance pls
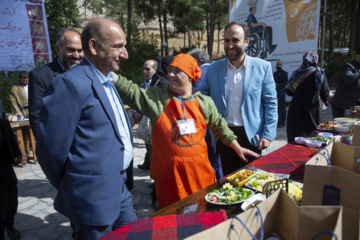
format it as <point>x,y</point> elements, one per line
<point>289,159</point>
<point>24,138</point>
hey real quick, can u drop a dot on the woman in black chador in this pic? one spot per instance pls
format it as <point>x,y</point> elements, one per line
<point>307,84</point>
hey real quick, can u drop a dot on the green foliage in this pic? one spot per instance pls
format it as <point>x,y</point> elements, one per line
<point>183,50</point>
<point>141,48</point>
<point>350,56</point>
<point>60,14</point>
<point>6,83</point>
<point>332,65</point>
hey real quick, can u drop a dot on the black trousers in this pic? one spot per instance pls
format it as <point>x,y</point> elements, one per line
<point>281,109</point>
<point>230,161</point>
<point>8,195</point>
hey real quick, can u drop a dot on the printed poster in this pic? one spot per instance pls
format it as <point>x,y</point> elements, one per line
<point>24,37</point>
<point>293,27</point>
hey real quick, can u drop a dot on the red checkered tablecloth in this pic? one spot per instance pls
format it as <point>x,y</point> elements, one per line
<point>168,227</point>
<point>289,159</point>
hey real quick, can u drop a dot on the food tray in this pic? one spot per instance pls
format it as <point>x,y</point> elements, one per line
<point>235,183</point>
<point>262,182</point>
<point>293,188</point>
<point>242,179</point>
<point>270,187</point>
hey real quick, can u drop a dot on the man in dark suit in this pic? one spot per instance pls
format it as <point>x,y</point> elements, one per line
<point>281,79</point>
<point>69,53</point>
<point>9,151</point>
<point>85,143</point>
<point>149,69</point>
<point>347,94</point>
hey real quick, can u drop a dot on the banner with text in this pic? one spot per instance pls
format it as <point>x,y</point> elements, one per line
<point>24,37</point>
<point>280,29</point>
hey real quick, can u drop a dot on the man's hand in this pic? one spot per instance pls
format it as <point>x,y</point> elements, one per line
<point>263,25</point>
<point>137,117</point>
<point>242,152</point>
<point>264,143</point>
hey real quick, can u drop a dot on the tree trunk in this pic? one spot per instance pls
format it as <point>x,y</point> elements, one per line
<point>344,30</point>
<point>218,40</point>
<point>357,45</point>
<point>129,27</point>
<point>160,25</point>
<point>330,23</point>
<point>184,39</point>
<point>165,30</point>
<point>353,24</point>
<point>212,28</point>
<point>189,38</point>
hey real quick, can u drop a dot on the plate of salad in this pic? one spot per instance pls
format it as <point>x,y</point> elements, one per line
<point>228,195</point>
<point>323,139</point>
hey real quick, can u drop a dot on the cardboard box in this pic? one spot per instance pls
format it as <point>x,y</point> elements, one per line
<point>282,216</point>
<point>356,134</point>
<point>335,184</point>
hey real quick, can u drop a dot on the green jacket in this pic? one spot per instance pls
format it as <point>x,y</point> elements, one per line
<point>152,101</point>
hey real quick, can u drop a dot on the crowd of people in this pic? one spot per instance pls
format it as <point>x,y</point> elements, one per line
<point>207,120</point>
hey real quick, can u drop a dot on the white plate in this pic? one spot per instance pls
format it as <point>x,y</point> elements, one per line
<point>255,198</point>
<point>343,120</point>
<point>301,140</point>
<point>313,143</point>
<point>225,204</point>
<point>326,134</point>
<point>344,128</point>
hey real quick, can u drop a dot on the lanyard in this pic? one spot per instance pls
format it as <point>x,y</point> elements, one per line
<point>182,105</point>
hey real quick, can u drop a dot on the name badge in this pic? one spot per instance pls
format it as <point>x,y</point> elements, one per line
<point>187,126</point>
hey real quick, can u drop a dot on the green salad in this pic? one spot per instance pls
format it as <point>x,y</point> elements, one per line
<point>228,195</point>
<point>320,139</point>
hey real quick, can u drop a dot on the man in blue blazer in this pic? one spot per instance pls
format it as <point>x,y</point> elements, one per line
<point>243,90</point>
<point>85,143</point>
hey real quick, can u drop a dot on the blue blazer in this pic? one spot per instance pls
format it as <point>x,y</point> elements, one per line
<point>259,100</point>
<point>79,147</point>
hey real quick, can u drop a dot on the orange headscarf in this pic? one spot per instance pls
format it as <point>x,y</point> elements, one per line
<point>187,64</point>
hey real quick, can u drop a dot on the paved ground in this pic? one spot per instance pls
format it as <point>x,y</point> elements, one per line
<point>37,219</point>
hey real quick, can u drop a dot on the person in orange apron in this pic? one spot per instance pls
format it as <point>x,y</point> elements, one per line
<point>179,117</point>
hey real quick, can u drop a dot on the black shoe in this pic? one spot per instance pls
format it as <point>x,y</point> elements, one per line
<point>144,167</point>
<point>13,234</point>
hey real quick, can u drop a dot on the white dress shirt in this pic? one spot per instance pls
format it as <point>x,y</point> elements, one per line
<point>119,113</point>
<point>234,92</point>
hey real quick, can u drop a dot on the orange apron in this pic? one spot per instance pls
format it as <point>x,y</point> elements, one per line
<point>180,164</point>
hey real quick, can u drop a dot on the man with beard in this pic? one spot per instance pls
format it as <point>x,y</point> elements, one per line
<point>243,90</point>
<point>69,53</point>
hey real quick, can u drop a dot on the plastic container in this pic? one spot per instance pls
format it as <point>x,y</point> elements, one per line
<point>346,139</point>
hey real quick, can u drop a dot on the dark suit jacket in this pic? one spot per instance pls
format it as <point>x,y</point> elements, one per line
<point>39,80</point>
<point>79,147</point>
<point>9,149</point>
<point>281,80</point>
<point>348,86</point>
